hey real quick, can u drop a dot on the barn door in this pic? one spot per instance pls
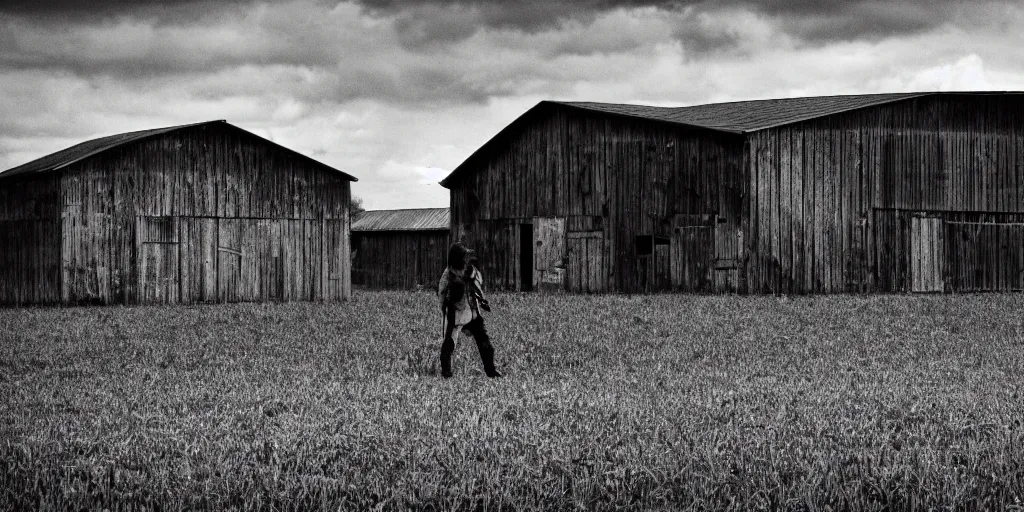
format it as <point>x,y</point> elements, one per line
<point>526,245</point>
<point>549,253</point>
<point>198,253</point>
<point>728,239</point>
<point>233,260</point>
<point>985,256</point>
<point>270,266</point>
<point>336,260</point>
<point>157,259</point>
<point>585,265</point>
<point>926,254</point>
<point>692,253</point>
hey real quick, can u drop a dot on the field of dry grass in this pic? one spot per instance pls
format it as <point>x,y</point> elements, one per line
<point>633,402</point>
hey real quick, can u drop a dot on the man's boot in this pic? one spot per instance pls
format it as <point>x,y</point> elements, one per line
<point>487,357</point>
<point>447,348</point>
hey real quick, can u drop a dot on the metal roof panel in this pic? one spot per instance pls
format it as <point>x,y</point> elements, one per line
<point>414,219</point>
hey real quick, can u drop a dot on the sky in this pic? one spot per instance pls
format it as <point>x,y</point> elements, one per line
<point>399,92</point>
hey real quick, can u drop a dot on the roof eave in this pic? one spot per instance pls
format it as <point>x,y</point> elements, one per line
<point>292,151</point>
<point>447,181</point>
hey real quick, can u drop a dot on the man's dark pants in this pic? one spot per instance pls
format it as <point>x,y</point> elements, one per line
<point>483,343</point>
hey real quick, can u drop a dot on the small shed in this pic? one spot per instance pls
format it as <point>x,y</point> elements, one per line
<point>915,192</point>
<point>204,212</point>
<point>399,249</point>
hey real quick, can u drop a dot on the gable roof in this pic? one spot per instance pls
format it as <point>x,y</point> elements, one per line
<point>747,116</point>
<point>78,152</point>
<point>413,219</point>
<point>736,117</point>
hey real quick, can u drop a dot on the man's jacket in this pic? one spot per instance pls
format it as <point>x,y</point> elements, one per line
<point>466,307</point>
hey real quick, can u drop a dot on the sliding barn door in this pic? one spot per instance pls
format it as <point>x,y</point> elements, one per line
<point>692,253</point>
<point>585,265</point>
<point>157,259</point>
<point>926,255</point>
<point>548,253</point>
<point>985,256</point>
<point>198,254</point>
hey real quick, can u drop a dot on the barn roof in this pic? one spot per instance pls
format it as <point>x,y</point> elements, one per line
<point>414,219</point>
<point>66,157</point>
<point>736,117</point>
<point>747,116</point>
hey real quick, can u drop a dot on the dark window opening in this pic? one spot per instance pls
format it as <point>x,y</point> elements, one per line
<point>645,244</point>
<point>526,257</point>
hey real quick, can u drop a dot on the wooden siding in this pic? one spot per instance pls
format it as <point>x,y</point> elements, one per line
<point>622,178</point>
<point>30,261</point>
<point>30,228</point>
<point>401,260</point>
<point>979,251</point>
<point>830,198</point>
<point>214,185</point>
<point>819,206</point>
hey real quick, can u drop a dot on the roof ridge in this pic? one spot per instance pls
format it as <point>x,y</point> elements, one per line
<point>86,149</point>
<point>128,137</point>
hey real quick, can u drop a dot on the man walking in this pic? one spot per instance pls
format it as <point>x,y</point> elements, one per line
<point>461,296</point>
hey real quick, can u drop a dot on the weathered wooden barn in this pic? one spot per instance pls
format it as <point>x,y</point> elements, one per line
<point>399,249</point>
<point>205,212</point>
<point>920,192</point>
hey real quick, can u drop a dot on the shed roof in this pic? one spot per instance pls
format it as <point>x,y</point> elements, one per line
<point>66,157</point>
<point>736,117</point>
<point>413,219</point>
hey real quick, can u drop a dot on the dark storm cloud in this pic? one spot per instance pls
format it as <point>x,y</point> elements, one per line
<point>847,20</point>
<point>416,51</point>
<point>80,7</point>
<point>56,12</point>
<point>529,15</point>
<point>810,20</point>
<point>106,8</point>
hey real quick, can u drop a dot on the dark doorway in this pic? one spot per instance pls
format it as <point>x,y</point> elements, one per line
<point>526,257</point>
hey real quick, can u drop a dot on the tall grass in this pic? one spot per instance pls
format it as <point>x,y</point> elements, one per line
<point>609,402</point>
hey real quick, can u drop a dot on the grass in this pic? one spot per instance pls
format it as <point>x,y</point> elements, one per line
<point>609,402</point>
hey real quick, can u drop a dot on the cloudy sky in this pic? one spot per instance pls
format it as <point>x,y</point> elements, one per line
<point>399,92</point>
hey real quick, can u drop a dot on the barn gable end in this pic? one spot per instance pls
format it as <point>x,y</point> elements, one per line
<point>575,199</point>
<point>197,213</point>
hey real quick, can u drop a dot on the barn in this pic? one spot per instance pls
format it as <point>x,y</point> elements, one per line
<point>909,192</point>
<point>204,212</point>
<point>399,249</point>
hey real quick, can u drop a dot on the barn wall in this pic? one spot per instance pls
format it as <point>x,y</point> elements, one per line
<point>29,241</point>
<point>832,199</point>
<point>204,214</point>
<point>610,180</point>
<point>398,260</point>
